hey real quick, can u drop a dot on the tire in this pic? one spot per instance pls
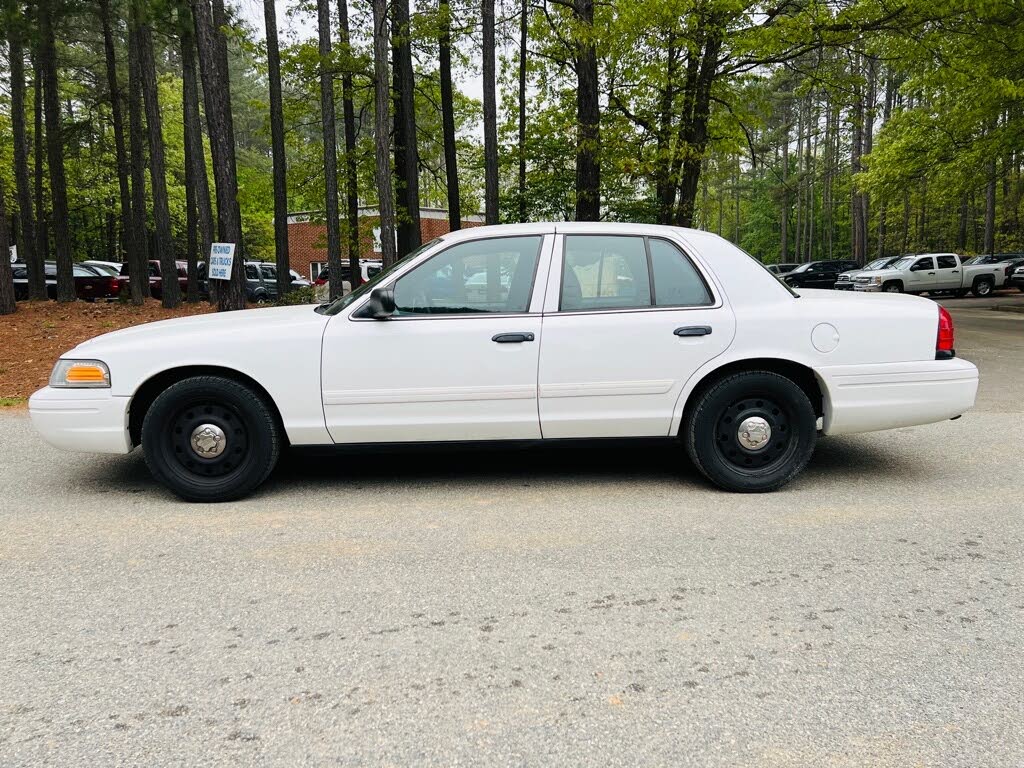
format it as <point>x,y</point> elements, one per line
<point>244,420</point>
<point>712,432</point>
<point>982,288</point>
<point>893,287</point>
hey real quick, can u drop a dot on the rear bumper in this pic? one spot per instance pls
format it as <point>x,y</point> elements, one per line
<point>87,420</point>
<point>865,398</point>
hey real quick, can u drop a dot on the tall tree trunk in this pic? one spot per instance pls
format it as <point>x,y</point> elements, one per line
<point>784,213</point>
<point>858,226</point>
<point>451,164</point>
<point>170,291</point>
<point>197,186</point>
<point>798,235</point>
<point>693,129</point>
<point>961,236</point>
<point>138,259</point>
<point>55,153</point>
<point>7,303</point>
<point>588,118</point>
<point>213,65</point>
<point>990,209</point>
<point>330,140</point>
<point>409,186</point>
<point>665,184</point>
<point>127,236</point>
<point>524,16</point>
<point>386,204</point>
<point>490,117</point>
<point>351,176</point>
<point>39,155</point>
<point>284,278</point>
<point>26,235</point>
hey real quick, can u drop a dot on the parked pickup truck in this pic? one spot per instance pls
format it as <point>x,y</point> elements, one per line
<point>932,273</point>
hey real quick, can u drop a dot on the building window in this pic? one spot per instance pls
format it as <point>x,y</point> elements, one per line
<point>315,267</point>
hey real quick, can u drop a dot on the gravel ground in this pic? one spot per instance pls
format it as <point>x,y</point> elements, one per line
<point>527,608</point>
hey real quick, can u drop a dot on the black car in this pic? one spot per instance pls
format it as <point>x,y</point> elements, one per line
<point>818,274</point>
<point>781,269</point>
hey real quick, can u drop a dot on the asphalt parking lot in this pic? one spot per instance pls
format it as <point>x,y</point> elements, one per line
<point>530,607</point>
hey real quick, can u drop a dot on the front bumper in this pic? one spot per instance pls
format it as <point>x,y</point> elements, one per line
<point>870,287</point>
<point>865,398</point>
<point>89,420</point>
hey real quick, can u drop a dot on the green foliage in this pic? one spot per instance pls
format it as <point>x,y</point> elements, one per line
<point>302,295</point>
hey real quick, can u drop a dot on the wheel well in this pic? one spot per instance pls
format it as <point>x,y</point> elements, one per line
<point>890,282</point>
<point>984,279</point>
<point>151,388</point>
<point>799,374</point>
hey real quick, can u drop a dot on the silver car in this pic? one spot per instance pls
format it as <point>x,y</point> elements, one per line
<point>845,280</point>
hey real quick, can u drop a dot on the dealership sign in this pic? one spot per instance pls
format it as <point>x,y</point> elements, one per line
<point>222,257</point>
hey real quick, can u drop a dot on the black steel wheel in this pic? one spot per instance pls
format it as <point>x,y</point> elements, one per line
<point>210,438</point>
<point>752,431</point>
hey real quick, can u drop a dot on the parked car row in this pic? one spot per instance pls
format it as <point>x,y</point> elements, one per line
<point>90,282</point>
<point>367,267</point>
<point>109,279</point>
<point>909,273</point>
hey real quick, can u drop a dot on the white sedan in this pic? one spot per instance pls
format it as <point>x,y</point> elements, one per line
<point>519,333</point>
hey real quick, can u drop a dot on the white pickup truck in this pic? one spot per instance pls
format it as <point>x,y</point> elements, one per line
<point>932,273</point>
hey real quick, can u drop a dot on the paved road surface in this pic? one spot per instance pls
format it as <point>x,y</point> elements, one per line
<point>524,608</point>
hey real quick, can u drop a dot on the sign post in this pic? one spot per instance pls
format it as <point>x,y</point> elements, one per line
<point>222,258</point>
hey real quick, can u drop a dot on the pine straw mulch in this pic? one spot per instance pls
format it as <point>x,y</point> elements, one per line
<point>37,334</point>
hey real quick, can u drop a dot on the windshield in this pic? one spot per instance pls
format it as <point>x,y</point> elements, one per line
<point>333,308</point>
<point>802,268</point>
<point>877,264</point>
<point>903,263</point>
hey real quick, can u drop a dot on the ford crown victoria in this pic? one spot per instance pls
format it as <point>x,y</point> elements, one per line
<point>529,332</point>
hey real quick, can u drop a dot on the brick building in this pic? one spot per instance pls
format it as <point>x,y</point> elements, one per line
<point>307,236</point>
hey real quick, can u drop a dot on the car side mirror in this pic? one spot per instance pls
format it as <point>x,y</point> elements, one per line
<point>381,305</point>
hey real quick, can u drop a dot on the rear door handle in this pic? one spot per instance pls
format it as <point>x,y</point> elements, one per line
<point>512,338</point>
<point>693,330</point>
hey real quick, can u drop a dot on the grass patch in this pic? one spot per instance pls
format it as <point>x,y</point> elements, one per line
<point>11,402</point>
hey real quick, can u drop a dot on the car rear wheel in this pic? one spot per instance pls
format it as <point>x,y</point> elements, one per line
<point>210,438</point>
<point>751,432</point>
<point>982,288</point>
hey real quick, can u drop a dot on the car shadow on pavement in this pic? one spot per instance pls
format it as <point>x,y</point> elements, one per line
<point>836,460</point>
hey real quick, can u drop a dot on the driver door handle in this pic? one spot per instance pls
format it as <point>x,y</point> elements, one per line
<point>512,338</point>
<point>693,330</point>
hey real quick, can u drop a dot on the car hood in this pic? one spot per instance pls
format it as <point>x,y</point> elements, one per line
<point>850,273</point>
<point>219,325</point>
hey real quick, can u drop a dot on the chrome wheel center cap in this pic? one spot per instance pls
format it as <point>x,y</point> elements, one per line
<point>754,433</point>
<point>208,441</point>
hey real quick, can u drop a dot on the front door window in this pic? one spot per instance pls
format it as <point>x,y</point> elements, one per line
<point>482,276</point>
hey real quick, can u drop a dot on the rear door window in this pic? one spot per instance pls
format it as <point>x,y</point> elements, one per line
<point>947,262</point>
<point>605,272</point>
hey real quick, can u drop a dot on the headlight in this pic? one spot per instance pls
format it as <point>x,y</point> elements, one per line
<point>876,280</point>
<point>88,374</point>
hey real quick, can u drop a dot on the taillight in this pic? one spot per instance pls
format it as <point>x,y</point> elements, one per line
<point>115,285</point>
<point>944,341</point>
<point>319,281</point>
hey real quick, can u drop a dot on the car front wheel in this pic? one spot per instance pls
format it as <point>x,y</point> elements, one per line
<point>751,432</point>
<point>210,438</point>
